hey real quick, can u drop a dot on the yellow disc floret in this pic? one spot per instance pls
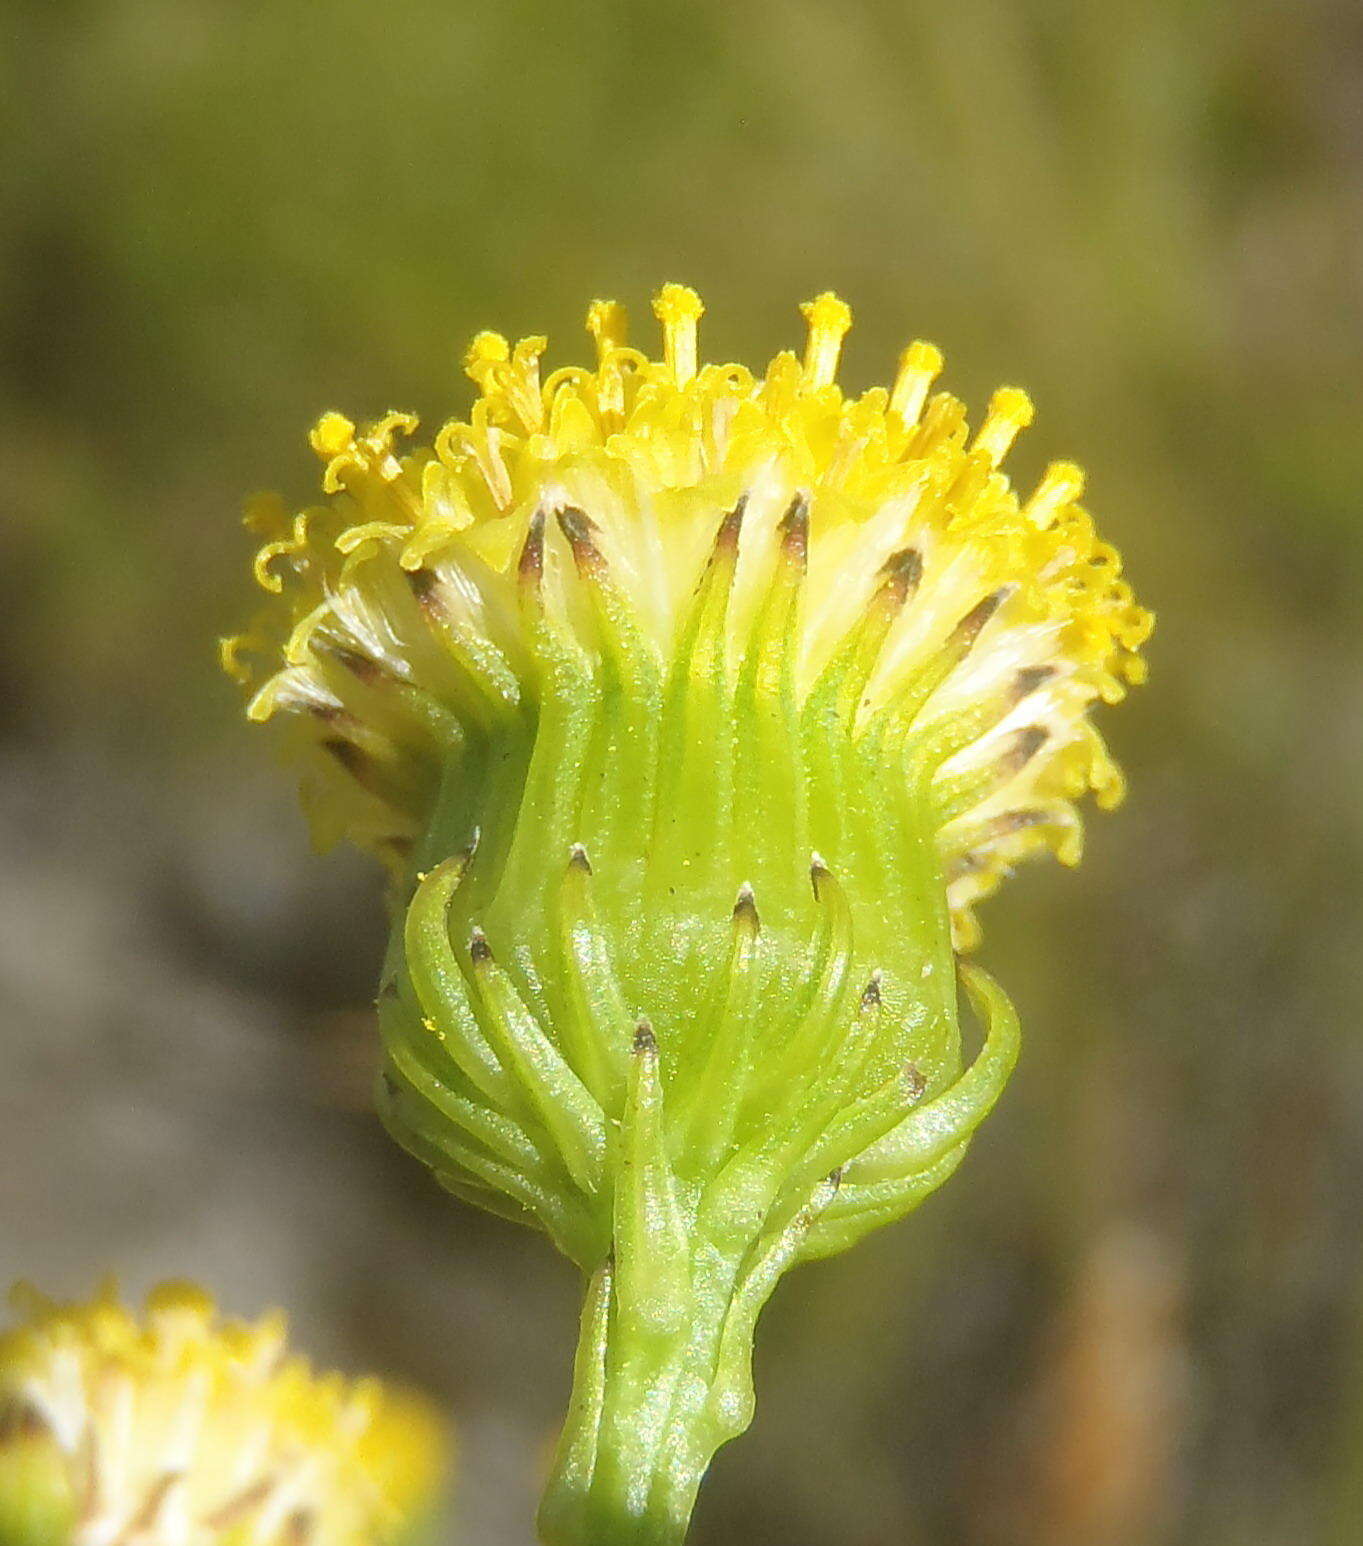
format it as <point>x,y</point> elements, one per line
<point>178,1428</point>
<point>395,623</point>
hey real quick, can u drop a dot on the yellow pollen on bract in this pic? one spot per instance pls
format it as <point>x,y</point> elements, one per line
<point>400,604</point>
<point>204,1425</point>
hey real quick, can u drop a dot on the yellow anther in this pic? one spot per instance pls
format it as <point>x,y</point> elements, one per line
<point>679,309</point>
<point>332,434</point>
<point>919,366</point>
<point>487,351</point>
<point>1061,484</point>
<point>176,1298</point>
<point>608,324</point>
<point>829,320</point>
<point>1010,410</point>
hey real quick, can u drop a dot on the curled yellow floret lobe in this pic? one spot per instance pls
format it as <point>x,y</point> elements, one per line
<point>179,1428</point>
<point>398,619</point>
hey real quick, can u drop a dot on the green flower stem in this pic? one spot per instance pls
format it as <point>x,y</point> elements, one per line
<point>649,1410</point>
<point>664,1369</point>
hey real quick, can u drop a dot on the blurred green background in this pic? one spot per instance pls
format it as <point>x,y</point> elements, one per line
<point>1136,1316</point>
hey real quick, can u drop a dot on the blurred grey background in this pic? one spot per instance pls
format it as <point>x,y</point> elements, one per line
<point>1136,1317</point>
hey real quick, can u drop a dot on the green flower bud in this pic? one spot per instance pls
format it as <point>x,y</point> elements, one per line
<point>692,713</point>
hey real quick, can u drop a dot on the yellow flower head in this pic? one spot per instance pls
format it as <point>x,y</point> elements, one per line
<point>933,592</point>
<point>178,1428</point>
<point>693,710</point>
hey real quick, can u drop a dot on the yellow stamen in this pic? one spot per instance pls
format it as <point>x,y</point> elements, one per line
<point>1010,411</point>
<point>829,321</point>
<point>485,354</point>
<point>919,366</point>
<point>331,435</point>
<point>608,323</point>
<point>679,309</point>
<point>1061,485</point>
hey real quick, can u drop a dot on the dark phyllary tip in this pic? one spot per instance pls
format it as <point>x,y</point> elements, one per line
<point>645,1041</point>
<point>903,571</point>
<point>794,530</point>
<point>479,949</point>
<point>818,873</point>
<point>390,1085</point>
<point>360,666</point>
<point>580,530</point>
<point>1027,742</point>
<point>1017,821</point>
<point>745,906</point>
<point>576,524</point>
<point>726,538</point>
<point>870,994</point>
<point>423,587</point>
<point>578,860</point>
<point>351,758</point>
<point>915,1081</point>
<point>531,563</point>
<point>1026,682</point>
<point>19,1420</point>
<point>968,629</point>
<point>300,1527</point>
<point>835,1178</point>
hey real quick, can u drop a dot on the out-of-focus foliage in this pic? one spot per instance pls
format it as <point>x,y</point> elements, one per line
<point>1135,1318</point>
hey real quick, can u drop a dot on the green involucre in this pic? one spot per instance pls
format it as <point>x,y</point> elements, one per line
<point>674,983</point>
